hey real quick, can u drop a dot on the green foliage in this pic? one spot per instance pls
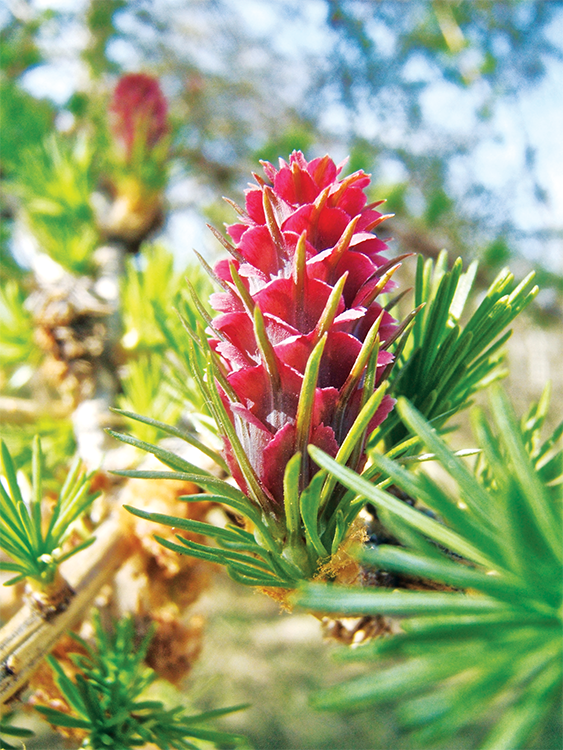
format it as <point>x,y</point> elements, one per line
<point>9,268</point>
<point>31,536</point>
<point>57,442</point>
<point>55,181</point>
<point>148,280</point>
<point>24,122</point>
<point>145,390</point>
<point>18,49</point>
<point>17,348</point>
<point>157,382</point>
<point>107,698</point>
<point>491,648</point>
<point>496,253</point>
<point>7,729</point>
<point>142,383</point>
<point>100,21</point>
<point>189,310</point>
<point>296,137</point>
<point>444,362</point>
<point>439,204</point>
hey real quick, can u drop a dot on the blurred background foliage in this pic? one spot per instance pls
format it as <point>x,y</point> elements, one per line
<point>451,105</point>
<point>448,104</point>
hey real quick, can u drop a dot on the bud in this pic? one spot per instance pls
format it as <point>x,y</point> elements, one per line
<point>139,128</point>
<point>138,114</point>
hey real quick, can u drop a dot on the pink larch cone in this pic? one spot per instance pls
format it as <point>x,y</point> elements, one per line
<point>138,123</point>
<point>306,268</point>
<point>138,113</point>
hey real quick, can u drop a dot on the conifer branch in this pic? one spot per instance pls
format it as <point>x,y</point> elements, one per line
<point>28,638</point>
